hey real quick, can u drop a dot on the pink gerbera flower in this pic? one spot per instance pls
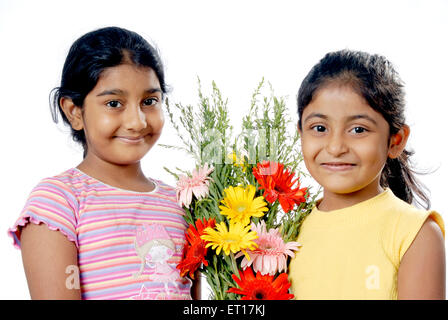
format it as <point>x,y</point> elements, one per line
<point>197,184</point>
<point>272,252</point>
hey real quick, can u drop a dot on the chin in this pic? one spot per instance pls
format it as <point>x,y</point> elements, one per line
<point>345,189</point>
<point>339,188</point>
<point>130,156</point>
<point>127,160</point>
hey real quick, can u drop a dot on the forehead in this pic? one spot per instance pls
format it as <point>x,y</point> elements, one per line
<point>340,102</point>
<point>127,76</point>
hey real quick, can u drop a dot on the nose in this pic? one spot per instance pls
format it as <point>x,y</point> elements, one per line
<point>336,144</point>
<point>134,119</point>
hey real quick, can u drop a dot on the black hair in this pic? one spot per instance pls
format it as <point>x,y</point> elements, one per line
<point>89,56</point>
<point>374,78</point>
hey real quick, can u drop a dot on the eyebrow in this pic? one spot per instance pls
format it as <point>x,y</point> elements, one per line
<point>315,115</point>
<point>119,92</point>
<point>351,118</point>
<point>362,116</point>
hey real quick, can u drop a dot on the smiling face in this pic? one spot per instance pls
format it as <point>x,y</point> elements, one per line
<point>345,143</point>
<point>122,116</point>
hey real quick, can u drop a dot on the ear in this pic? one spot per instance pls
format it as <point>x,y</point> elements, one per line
<point>298,127</point>
<point>73,113</point>
<point>398,141</point>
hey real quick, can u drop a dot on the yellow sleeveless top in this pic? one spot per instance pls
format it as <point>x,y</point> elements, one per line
<point>355,252</point>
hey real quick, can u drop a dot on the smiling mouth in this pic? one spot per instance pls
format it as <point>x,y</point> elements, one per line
<point>338,166</point>
<point>131,140</point>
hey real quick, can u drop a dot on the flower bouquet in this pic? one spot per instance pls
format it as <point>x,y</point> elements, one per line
<point>243,202</point>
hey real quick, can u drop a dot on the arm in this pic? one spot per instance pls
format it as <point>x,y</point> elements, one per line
<point>421,274</point>
<point>47,255</point>
<point>196,287</point>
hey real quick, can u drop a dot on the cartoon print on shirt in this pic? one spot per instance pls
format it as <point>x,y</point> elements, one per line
<point>155,247</point>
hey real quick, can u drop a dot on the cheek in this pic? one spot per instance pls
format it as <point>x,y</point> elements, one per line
<point>374,152</point>
<point>310,151</point>
<point>310,148</point>
<point>156,120</point>
<point>373,157</point>
<point>106,120</point>
<point>100,125</point>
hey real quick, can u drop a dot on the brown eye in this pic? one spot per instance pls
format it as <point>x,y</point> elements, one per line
<point>113,104</point>
<point>358,130</point>
<point>150,101</point>
<point>319,128</point>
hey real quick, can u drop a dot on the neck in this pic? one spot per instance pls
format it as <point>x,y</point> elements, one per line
<point>334,200</point>
<point>111,173</point>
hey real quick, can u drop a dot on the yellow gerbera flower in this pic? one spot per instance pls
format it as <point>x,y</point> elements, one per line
<point>239,204</point>
<point>237,238</point>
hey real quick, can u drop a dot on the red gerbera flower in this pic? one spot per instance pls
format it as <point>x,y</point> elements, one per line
<point>194,249</point>
<point>262,287</point>
<point>278,183</point>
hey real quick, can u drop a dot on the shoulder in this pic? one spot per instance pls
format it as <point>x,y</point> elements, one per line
<point>63,188</point>
<point>403,222</point>
<point>66,182</point>
<point>51,202</point>
<point>166,197</point>
<point>430,236</point>
<point>165,189</point>
<point>421,273</point>
<point>162,184</point>
<point>402,215</point>
<point>430,233</point>
<point>54,184</point>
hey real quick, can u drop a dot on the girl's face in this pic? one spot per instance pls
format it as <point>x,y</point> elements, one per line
<point>345,143</point>
<point>122,115</point>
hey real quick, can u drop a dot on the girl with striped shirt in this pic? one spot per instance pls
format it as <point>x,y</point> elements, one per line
<point>103,230</point>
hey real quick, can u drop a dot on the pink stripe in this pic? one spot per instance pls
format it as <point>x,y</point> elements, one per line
<point>108,217</point>
<point>115,255</point>
<point>156,204</point>
<point>115,276</point>
<point>56,213</point>
<point>106,236</point>
<point>156,209</point>
<point>118,254</point>
<point>121,195</point>
<point>126,234</point>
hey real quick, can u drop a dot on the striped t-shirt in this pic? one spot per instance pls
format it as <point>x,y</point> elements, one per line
<point>128,242</point>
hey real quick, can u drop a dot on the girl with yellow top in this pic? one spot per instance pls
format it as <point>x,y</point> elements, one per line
<point>364,239</point>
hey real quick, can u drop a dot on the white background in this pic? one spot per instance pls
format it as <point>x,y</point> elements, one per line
<point>234,43</point>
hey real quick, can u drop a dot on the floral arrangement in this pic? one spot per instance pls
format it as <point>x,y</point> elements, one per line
<point>243,202</point>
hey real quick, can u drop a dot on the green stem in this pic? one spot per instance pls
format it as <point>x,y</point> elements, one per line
<point>234,265</point>
<point>272,214</point>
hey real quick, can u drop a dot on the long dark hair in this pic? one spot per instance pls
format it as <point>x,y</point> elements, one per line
<point>89,56</point>
<point>375,79</point>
